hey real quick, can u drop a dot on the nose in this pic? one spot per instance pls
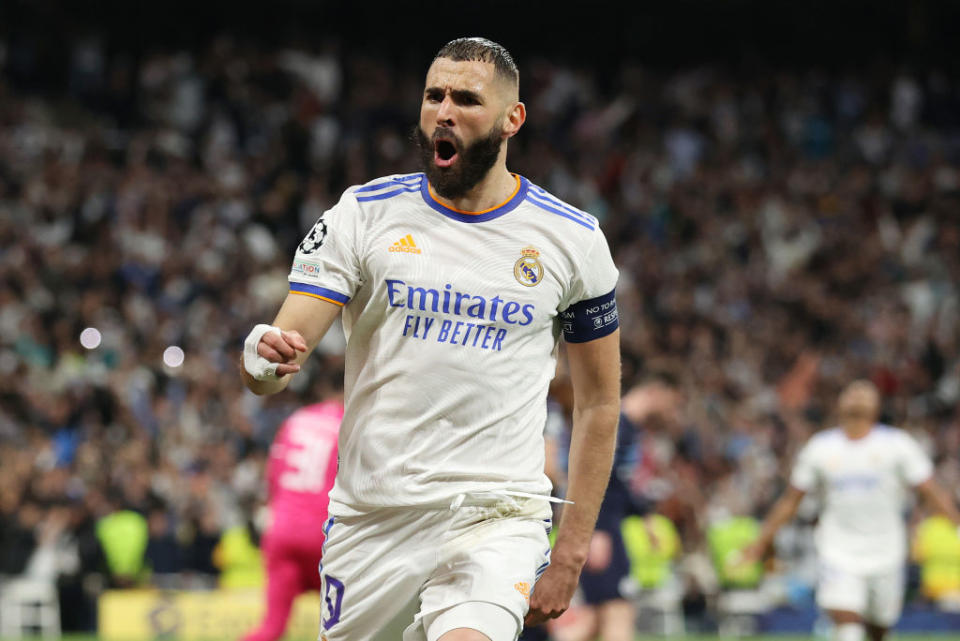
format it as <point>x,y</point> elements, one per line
<point>445,112</point>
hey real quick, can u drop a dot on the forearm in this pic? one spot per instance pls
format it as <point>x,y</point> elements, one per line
<point>781,514</point>
<point>591,455</point>
<point>938,498</point>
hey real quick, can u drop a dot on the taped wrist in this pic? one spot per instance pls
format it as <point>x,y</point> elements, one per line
<point>257,366</point>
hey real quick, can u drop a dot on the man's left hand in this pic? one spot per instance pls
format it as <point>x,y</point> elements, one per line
<point>552,593</point>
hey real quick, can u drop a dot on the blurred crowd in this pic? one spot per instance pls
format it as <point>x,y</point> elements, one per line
<point>779,233</point>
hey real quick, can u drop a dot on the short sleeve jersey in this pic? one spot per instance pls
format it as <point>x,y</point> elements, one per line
<point>452,322</point>
<point>863,485</point>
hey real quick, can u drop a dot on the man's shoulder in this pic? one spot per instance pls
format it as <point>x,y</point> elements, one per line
<point>557,211</point>
<point>890,436</point>
<point>825,438</point>
<point>386,188</point>
<point>882,430</point>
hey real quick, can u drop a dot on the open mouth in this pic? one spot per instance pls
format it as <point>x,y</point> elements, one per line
<point>444,153</point>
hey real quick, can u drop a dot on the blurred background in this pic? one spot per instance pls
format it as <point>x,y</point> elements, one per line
<point>779,183</point>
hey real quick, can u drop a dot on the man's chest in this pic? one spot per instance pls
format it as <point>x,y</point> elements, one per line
<point>859,469</point>
<point>492,273</point>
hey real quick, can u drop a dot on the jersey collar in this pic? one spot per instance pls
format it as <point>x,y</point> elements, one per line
<point>477,216</point>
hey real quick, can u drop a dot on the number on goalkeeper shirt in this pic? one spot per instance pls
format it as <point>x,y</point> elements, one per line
<point>307,460</point>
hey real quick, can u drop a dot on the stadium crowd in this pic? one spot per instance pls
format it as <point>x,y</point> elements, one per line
<point>778,234</point>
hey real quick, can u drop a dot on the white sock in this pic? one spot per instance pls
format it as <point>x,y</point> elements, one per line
<point>848,632</point>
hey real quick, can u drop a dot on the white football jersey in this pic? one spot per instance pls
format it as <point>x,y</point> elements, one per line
<point>452,322</point>
<point>863,486</point>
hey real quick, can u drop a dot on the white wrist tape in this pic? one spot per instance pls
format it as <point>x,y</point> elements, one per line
<point>257,366</point>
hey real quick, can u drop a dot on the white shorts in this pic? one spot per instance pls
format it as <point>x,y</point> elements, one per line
<point>396,572</point>
<point>876,597</point>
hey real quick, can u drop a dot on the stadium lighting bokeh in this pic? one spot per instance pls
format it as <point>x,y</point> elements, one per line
<point>173,356</point>
<point>90,338</point>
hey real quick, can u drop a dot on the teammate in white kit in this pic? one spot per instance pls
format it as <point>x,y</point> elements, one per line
<point>862,471</point>
<point>455,286</point>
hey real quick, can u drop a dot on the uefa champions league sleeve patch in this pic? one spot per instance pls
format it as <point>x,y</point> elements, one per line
<point>590,319</point>
<point>315,238</point>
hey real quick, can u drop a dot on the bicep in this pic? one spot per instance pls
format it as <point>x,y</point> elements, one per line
<point>916,466</point>
<point>805,476</point>
<point>595,371</point>
<point>309,316</point>
<point>793,496</point>
<point>928,489</point>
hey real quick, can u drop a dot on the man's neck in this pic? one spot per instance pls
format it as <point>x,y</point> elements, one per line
<point>856,430</point>
<point>494,190</point>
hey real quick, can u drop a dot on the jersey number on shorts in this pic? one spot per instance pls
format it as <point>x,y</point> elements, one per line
<point>307,460</point>
<point>332,601</point>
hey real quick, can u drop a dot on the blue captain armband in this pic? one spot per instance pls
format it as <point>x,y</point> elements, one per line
<point>590,319</point>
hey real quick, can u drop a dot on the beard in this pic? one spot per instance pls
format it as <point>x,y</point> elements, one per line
<point>472,165</point>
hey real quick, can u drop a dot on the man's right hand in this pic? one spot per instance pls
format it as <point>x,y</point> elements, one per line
<point>273,354</point>
<point>750,554</point>
<point>282,349</point>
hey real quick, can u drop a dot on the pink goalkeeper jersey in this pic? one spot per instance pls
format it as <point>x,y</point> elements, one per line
<point>302,467</point>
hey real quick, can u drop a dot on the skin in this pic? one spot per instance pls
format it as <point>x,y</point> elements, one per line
<point>469,98</point>
<point>464,634</point>
<point>858,408</point>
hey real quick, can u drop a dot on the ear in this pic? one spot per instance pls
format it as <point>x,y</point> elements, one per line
<point>516,116</point>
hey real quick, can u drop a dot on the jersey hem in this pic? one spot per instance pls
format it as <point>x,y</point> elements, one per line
<point>340,508</point>
<point>314,291</point>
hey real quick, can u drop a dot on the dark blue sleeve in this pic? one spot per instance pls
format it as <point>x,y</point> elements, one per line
<point>590,319</point>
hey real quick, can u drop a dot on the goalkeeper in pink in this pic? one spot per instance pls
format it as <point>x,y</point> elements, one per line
<point>300,473</point>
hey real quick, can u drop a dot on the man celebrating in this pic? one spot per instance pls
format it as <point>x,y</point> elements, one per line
<point>455,285</point>
<point>861,470</point>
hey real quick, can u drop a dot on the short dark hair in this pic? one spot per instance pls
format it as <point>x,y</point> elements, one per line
<point>482,50</point>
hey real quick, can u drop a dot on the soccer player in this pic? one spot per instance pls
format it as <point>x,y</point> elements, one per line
<point>861,470</point>
<point>455,286</point>
<point>300,473</point>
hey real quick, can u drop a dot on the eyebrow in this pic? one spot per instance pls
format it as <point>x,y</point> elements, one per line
<point>459,95</point>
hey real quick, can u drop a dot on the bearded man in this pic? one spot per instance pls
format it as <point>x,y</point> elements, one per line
<point>455,285</point>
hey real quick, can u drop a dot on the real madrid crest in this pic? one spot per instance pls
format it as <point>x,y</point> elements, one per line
<point>527,269</point>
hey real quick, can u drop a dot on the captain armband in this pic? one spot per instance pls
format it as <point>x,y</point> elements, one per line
<point>590,319</point>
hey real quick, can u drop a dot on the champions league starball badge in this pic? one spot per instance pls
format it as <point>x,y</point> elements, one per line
<point>315,238</point>
<point>527,269</point>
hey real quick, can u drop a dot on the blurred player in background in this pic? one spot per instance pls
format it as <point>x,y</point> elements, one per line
<point>861,470</point>
<point>300,473</point>
<point>456,285</point>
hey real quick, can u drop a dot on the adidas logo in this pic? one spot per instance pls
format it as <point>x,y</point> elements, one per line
<point>405,245</point>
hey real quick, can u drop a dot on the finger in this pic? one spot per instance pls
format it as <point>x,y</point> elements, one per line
<point>534,618</point>
<point>287,368</point>
<point>279,344</point>
<point>294,339</point>
<point>538,616</point>
<point>269,353</point>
